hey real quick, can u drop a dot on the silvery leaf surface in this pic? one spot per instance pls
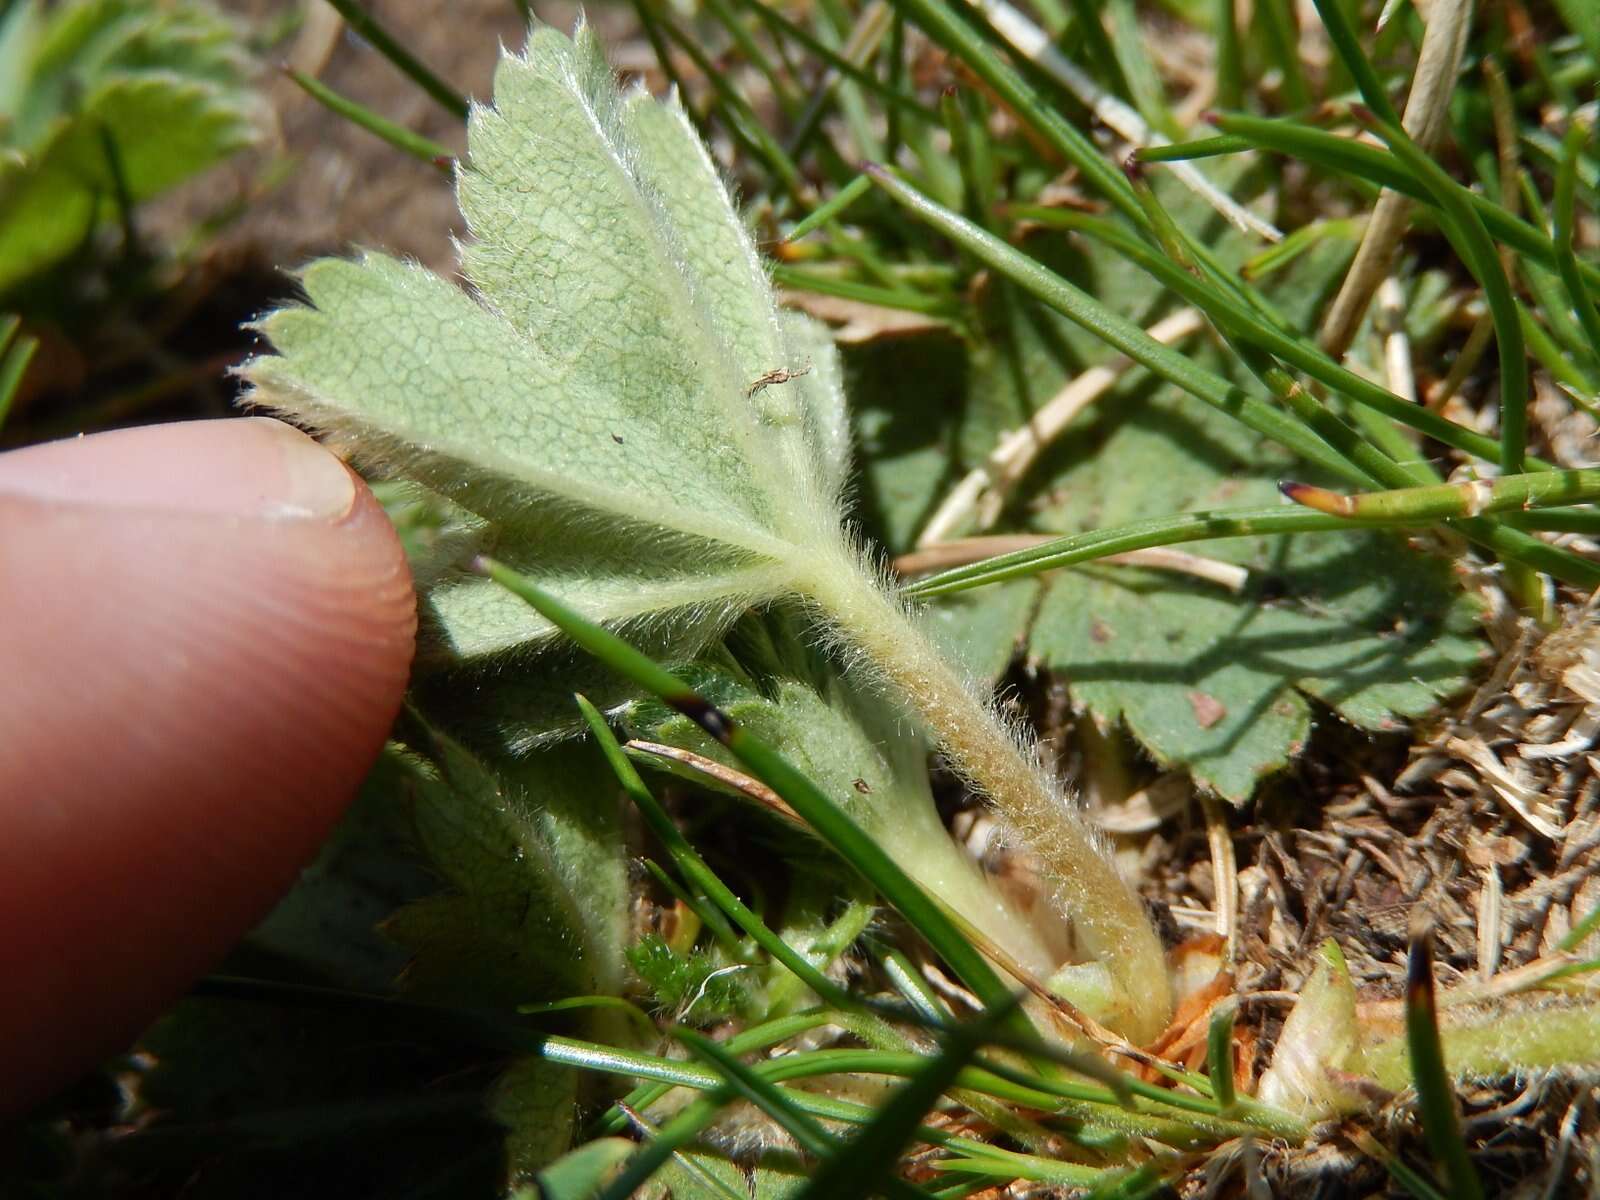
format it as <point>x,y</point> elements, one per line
<point>614,397</point>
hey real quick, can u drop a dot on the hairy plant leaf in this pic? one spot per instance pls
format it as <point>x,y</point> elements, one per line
<point>618,401</point>
<point>105,102</point>
<point>537,898</point>
<point>872,763</point>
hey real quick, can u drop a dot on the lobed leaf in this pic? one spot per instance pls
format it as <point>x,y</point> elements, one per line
<point>618,401</point>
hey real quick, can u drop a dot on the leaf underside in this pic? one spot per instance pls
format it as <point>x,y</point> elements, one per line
<point>593,400</point>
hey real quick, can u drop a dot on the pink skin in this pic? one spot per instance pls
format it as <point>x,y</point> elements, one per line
<point>205,632</point>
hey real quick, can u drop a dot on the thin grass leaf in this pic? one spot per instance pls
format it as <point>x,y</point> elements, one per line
<point>953,31</point>
<point>1561,234</point>
<point>1219,1055</point>
<point>1345,44</point>
<point>902,299</point>
<point>761,1036</point>
<point>398,136</point>
<point>1283,47</point>
<point>1209,147</point>
<point>1229,65</point>
<point>1348,157</point>
<point>1468,499</point>
<point>1136,535</point>
<point>665,1144</point>
<point>831,209</point>
<point>363,23</point>
<point>1466,231</point>
<point>741,120</point>
<point>768,1097</point>
<point>1435,1095</point>
<point>1113,328</point>
<point>863,1164</point>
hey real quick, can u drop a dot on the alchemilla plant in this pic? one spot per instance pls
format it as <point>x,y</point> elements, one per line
<point>619,410</point>
<point>609,447</point>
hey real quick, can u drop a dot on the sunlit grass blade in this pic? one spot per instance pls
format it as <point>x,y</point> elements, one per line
<point>1347,157</point>
<point>1561,234</point>
<point>953,31</point>
<point>741,120</point>
<point>1435,1095</point>
<point>775,1102</point>
<point>1291,348</point>
<point>1468,499</point>
<point>768,1097</point>
<point>398,136</point>
<point>1136,535</point>
<point>1290,433</point>
<point>1209,147</point>
<point>1113,328</point>
<point>823,815</point>
<point>784,28</point>
<point>831,209</point>
<point>362,22</point>
<point>863,1165</point>
<point>904,299</point>
<point>1343,36</point>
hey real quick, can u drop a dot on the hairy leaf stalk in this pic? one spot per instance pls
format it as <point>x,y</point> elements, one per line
<point>995,757</point>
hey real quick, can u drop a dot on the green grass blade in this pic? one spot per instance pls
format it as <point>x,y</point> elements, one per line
<point>1466,231</point>
<point>361,22</point>
<point>667,1141</point>
<point>1136,535</point>
<point>1348,47</point>
<point>1210,147</point>
<point>775,1102</point>
<point>1561,234</point>
<point>1283,44</point>
<point>398,136</point>
<point>862,1166</point>
<point>1347,157</point>
<point>1442,501</point>
<point>1290,347</point>
<point>832,209</point>
<point>825,818</point>
<point>903,299</point>
<point>954,32</point>
<point>1219,1055</point>
<point>1435,1095</point>
<point>1113,328</point>
<point>765,1095</point>
<point>783,27</point>
<point>1230,62</point>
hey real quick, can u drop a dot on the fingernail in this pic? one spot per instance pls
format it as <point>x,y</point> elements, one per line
<point>248,467</point>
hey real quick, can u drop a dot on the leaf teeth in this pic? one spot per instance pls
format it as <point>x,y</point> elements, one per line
<point>588,401</point>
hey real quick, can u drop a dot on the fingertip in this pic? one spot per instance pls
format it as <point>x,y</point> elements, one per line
<point>207,629</point>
